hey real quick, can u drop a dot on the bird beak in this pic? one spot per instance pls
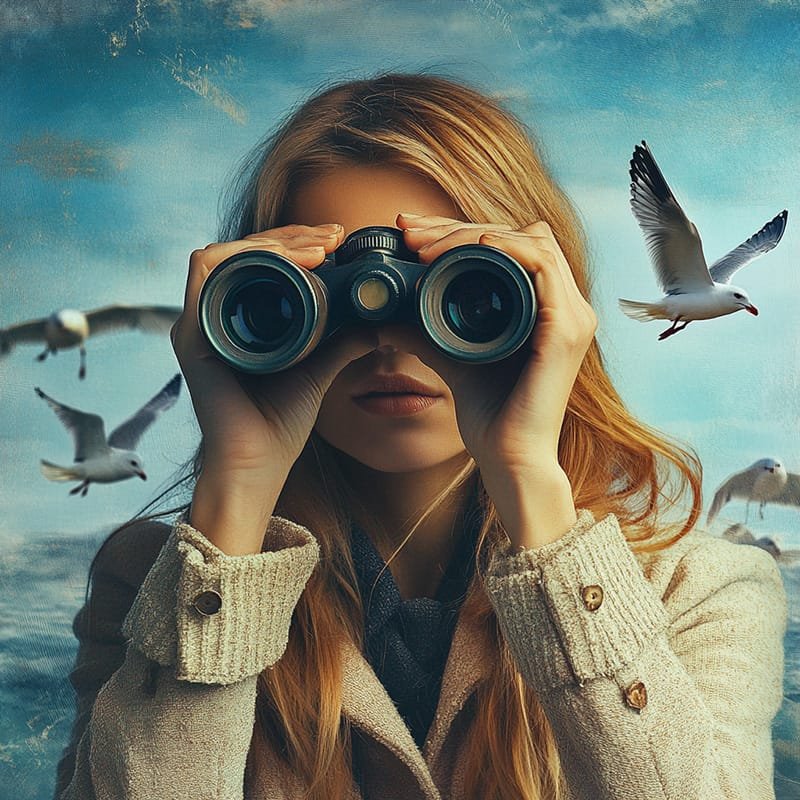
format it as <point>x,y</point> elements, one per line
<point>752,309</point>
<point>142,475</point>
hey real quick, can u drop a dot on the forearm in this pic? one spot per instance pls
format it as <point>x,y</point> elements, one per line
<point>641,708</point>
<point>152,735</point>
<point>176,719</point>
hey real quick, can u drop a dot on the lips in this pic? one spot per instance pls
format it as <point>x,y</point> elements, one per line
<point>395,396</point>
<point>394,384</point>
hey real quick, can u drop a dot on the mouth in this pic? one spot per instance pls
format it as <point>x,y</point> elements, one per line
<point>395,395</point>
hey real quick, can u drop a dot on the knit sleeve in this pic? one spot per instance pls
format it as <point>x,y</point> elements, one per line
<point>176,718</point>
<point>654,689</point>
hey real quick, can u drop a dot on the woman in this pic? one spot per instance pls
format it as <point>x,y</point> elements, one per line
<point>516,646</point>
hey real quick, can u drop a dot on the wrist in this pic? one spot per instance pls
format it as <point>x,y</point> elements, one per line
<point>535,506</point>
<point>233,510</point>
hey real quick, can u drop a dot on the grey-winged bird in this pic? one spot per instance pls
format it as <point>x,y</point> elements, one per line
<point>101,460</point>
<point>765,481</point>
<point>692,290</point>
<point>69,328</point>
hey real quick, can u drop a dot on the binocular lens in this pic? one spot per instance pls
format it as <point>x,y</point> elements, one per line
<point>476,303</point>
<point>260,312</point>
<point>259,315</point>
<point>478,306</point>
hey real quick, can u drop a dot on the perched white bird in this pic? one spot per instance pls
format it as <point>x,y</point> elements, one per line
<point>765,481</point>
<point>98,460</point>
<point>692,291</point>
<point>70,328</point>
<point>739,534</point>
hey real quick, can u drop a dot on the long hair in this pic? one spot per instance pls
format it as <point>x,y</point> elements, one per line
<point>486,161</point>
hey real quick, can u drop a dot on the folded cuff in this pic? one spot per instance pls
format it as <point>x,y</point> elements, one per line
<point>220,618</point>
<point>546,600</point>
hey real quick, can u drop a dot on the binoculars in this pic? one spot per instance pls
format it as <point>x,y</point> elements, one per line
<point>262,313</point>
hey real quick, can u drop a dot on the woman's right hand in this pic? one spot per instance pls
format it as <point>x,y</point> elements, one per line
<point>254,426</point>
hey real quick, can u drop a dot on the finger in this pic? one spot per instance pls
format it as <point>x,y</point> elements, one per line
<point>408,220</point>
<point>431,243</point>
<point>539,262</point>
<point>541,230</point>
<point>558,300</point>
<point>329,235</point>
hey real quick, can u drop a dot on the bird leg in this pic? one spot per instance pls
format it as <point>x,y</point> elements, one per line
<point>43,355</point>
<point>761,509</point>
<point>82,370</point>
<point>82,487</point>
<point>674,328</point>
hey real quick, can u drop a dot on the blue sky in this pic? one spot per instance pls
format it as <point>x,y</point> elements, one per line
<point>127,118</point>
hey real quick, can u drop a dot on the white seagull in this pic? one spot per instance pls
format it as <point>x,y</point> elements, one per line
<point>765,481</point>
<point>692,290</point>
<point>98,460</point>
<point>68,328</point>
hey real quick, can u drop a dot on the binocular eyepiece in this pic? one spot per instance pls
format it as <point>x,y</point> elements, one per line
<point>262,313</point>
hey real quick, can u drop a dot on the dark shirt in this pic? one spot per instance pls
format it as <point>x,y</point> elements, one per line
<point>407,641</point>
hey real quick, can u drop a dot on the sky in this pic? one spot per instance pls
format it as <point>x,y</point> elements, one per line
<point>123,122</point>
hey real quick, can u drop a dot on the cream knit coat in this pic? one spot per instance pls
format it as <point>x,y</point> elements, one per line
<point>660,674</point>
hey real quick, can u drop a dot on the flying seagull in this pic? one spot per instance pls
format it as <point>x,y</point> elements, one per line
<point>68,328</point>
<point>692,291</point>
<point>98,460</point>
<point>765,481</point>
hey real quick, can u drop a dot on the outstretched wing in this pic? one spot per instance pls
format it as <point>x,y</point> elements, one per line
<point>23,333</point>
<point>759,243</point>
<point>151,319</point>
<point>126,436</point>
<point>87,430</point>
<point>738,485</point>
<point>673,241</point>
<point>790,495</point>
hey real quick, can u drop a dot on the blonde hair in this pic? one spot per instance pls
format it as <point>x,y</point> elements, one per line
<point>484,159</point>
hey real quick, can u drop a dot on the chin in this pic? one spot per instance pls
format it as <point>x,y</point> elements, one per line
<point>410,457</point>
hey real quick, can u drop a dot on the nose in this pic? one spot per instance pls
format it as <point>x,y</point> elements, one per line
<point>398,336</point>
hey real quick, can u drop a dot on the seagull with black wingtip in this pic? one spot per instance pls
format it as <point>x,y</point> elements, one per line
<point>101,460</point>
<point>692,290</point>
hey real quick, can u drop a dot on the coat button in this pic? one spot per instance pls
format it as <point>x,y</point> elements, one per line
<point>636,695</point>
<point>592,597</point>
<point>207,603</point>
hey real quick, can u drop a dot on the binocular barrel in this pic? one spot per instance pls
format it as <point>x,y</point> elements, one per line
<point>262,313</point>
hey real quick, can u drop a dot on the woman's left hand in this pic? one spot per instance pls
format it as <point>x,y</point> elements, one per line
<point>510,413</point>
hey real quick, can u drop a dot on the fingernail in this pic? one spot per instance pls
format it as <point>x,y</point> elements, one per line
<point>334,226</point>
<point>406,215</point>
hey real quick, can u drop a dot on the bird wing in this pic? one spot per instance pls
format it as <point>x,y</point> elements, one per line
<point>738,485</point>
<point>790,494</point>
<point>129,432</point>
<point>672,240</point>
<point>88,431</point>
<point>151,319</point>
<point>24,332</point>
<point>759,243</point>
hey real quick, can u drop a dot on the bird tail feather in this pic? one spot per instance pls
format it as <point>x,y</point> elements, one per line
<point>55,473</point>
<point>641,311</point>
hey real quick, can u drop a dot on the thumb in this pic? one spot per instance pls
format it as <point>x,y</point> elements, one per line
<point>328,360</point>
